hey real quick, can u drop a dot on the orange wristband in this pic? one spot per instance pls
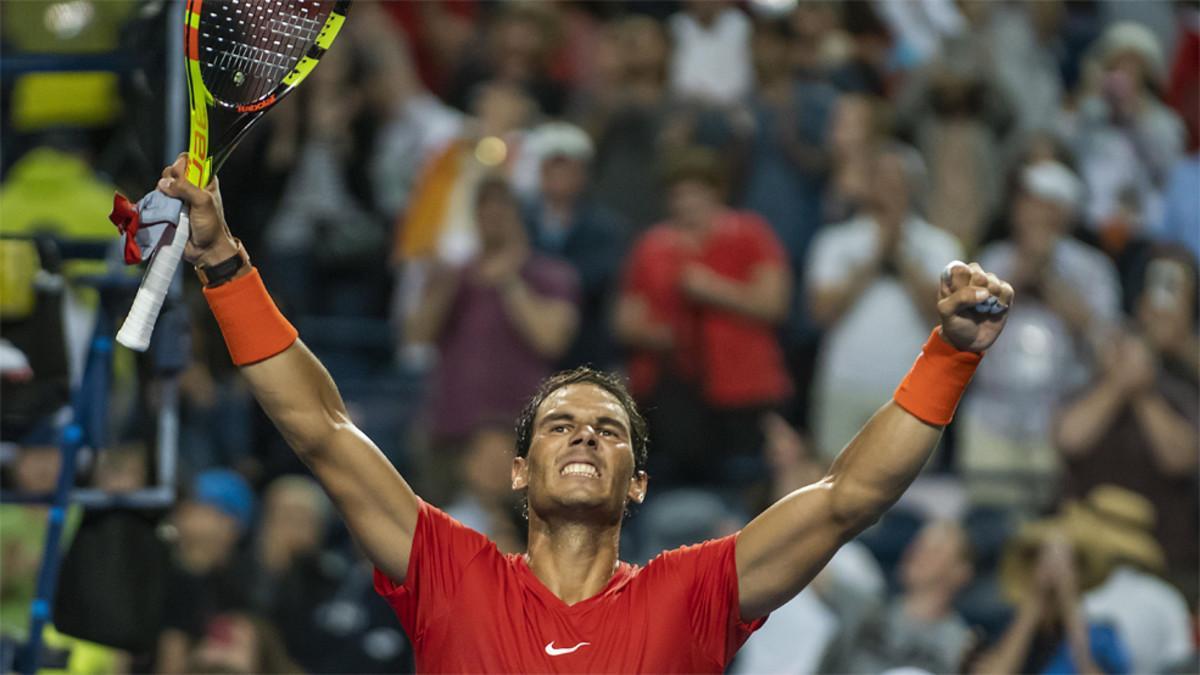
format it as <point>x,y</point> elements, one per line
<point>931,390</point>
<point>253,327</point>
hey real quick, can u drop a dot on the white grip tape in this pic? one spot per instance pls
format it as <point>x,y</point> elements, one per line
<point>139,324</point>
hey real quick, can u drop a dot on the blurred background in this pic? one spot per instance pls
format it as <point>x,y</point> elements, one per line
<point>743,206</point>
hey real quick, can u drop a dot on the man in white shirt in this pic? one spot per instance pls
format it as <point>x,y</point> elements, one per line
<point>881,265</point>
<point>711,60</point>
<point>1070,298</point>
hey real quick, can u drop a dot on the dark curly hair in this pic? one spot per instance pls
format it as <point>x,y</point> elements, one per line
<point>585,375</point>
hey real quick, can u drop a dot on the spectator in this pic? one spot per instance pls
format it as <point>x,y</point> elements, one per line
<point>802,633</point>
<point>321,227</point>
<point>1149,615</point>
<point>627,116</point>
<point>864,71</point>
<point>237,642</point>
<point>1134,425</point>
<point>858,127</point>
<point>918,629</point>
<point>34,470</point>
<point>486,502</point>
<point>711,60</point>
<point>438,226</point>
<point>1025,45</point>
<point>500,323</point>
<point>787,163</point>
<point>819,40</point>
<point>566,221</point>
<point>515,50</point>
<point>1181,212</point>
<point>210,575</point>
<point>316,599</point>
<point>458,152</point>
<point>883,262</point>
<point>958,119</point>
<point>702,295</point>
<point>1069,300</point>
<point>1044,573</point>
<point>332,621</point>
<point>295,514</point>
<point>1125,138</point>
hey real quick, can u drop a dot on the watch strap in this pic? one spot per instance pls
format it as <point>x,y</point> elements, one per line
<point>222,272</point>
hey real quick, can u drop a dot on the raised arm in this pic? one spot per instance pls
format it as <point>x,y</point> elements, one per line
<point>301,399</point>
<point>782,549</point>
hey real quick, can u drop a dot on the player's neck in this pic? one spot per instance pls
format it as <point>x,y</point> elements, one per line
<point>574,560</point>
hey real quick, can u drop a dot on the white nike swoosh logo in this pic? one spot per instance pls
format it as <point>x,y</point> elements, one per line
<point>559,651</point>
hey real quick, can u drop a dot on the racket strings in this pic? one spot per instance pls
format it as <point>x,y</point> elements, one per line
<point>249,46</point>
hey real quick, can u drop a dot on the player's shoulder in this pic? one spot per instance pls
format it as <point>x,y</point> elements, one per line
<point>692,557</point>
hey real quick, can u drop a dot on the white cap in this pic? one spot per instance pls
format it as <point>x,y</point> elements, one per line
<point>1054,182</point>
<point>560,139</point>
<point>1130,36</point>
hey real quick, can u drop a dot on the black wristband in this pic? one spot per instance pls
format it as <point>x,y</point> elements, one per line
<point>215,275</point>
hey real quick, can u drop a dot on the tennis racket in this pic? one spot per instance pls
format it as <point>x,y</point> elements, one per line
<point>243,56</point>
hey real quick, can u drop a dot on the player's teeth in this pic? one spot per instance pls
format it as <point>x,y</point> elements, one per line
<point>580,469</point>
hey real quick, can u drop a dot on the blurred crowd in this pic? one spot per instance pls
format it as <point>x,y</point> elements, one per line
<point>744,207</point>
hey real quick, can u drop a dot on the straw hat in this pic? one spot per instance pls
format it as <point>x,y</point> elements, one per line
<point>1112,525</point>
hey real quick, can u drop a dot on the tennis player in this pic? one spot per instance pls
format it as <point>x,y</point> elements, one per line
<point>569,604</point>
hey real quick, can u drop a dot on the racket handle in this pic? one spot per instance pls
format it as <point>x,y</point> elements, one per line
<point>139,324</point>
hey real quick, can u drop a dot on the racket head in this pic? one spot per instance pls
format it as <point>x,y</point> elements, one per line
<point>244,56</point>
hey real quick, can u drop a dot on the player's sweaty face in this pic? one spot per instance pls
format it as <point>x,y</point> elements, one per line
<point>581,454</point>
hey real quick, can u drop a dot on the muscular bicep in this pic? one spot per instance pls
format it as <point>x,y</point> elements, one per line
<point>784,548</point>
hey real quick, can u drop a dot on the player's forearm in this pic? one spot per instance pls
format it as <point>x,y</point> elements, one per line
<point>546,324</point>
<point>877,466</point>
<point>1087,420</point>
<point>1173,441</point>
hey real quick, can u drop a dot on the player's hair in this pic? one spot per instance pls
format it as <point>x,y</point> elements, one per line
<point>585,375</point>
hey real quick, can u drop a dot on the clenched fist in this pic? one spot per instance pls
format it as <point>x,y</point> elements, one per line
<point>973,305</point>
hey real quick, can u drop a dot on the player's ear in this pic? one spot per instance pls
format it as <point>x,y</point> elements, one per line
<point>638,485</point>
<point>520,473</point>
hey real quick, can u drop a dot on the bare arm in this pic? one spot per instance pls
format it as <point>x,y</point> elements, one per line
<point>1173,441</point>
<point>547,324</point>
<point>297,393</point>
<point>782,549</point>
<point>764,296</point>
<point>378,506</point>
